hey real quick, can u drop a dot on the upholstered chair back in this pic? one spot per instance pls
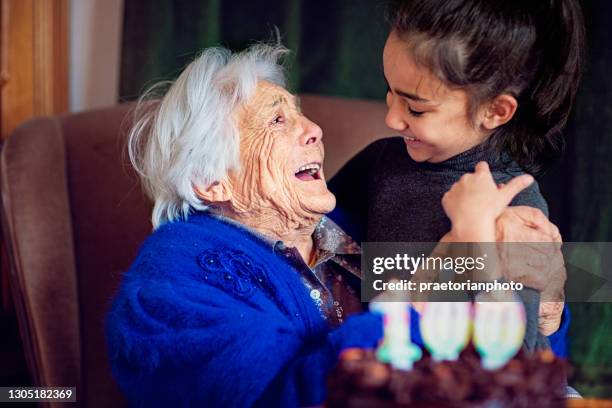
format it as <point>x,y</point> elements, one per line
<point>73,217</point>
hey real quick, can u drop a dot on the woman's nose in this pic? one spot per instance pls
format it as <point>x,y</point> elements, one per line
<point>394,119</point>
<point>312,133</point>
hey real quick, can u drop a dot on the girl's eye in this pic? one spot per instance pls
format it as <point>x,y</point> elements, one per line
<point>278,120</point>
<point>414,113</point>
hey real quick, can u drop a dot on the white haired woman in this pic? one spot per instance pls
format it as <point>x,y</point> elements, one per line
<point>239,297</point>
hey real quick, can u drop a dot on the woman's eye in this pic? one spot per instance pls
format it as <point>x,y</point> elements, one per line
<point>414,113</point>
<point>278,120</point>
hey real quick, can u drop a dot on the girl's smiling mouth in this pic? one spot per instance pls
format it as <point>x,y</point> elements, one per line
<point>413,141</point>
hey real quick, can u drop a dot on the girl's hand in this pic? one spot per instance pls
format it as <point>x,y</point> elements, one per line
<point>475,201</point>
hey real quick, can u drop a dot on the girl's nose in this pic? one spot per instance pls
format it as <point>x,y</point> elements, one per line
<point>394,118</point>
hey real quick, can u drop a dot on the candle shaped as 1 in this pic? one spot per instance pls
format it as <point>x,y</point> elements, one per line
<point>499,330</point>
<point>445,327</point>
<point>396,348</point>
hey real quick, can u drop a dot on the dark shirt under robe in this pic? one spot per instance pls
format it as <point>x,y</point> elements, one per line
<point>334,278</point>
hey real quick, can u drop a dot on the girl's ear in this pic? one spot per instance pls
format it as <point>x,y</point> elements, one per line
<point>217,192</point>
<point>499,111</point>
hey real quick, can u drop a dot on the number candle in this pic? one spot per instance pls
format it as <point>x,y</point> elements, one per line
<point>396,348</point>
<point>499,329</point>
<point>445,327</point>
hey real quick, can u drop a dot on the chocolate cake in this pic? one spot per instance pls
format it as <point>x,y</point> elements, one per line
<point>528,380</point>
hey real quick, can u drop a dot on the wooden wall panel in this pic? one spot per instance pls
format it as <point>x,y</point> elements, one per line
<point>34,60</point>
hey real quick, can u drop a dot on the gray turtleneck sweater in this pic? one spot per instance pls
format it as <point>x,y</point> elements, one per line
<point>385,196</point>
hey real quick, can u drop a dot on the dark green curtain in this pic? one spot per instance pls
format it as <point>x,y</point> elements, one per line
<point>336,44</point>
<point>579,192</point>
<point>337,48</point>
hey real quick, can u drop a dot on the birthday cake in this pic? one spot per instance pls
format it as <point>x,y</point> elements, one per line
<point>447,374</point>
<point>361,380</point>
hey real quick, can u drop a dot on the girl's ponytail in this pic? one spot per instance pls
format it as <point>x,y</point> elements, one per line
<point>545,104</point>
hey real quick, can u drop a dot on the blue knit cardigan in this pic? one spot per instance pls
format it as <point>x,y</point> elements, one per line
<point>208,315</point>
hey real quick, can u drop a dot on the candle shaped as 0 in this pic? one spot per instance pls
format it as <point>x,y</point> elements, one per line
<point>499,329</point>
<point>445,327</point>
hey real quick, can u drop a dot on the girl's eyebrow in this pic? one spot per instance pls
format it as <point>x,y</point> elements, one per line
<point>412,96</point>
<point>408,95</point>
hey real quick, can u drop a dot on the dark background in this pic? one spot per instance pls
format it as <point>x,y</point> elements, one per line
<point>337,48</point>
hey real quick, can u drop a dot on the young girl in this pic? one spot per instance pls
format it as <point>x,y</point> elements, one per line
<point>468,81</point>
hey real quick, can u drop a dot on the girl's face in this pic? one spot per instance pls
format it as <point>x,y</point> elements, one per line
<point>432,117</point>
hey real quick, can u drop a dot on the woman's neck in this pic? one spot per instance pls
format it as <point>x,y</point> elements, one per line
<point>293,233</point>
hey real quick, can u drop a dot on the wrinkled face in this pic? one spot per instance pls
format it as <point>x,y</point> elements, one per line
<point>432,117</point>
<point>281,155</point>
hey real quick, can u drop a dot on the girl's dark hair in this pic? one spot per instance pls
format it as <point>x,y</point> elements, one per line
<point>531,49</point>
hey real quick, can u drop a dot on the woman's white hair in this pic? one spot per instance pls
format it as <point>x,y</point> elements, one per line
<point>190,138</point>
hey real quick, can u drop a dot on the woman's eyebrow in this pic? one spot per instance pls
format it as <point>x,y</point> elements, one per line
<point>277,101</point>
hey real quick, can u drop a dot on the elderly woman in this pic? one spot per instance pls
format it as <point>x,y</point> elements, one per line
<point>240,297</point>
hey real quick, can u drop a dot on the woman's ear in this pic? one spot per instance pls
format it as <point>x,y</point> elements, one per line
<point>216,192</point>
<point>499,111</point>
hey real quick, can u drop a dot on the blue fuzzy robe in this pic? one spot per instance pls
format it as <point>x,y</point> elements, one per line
<point>209,316</point>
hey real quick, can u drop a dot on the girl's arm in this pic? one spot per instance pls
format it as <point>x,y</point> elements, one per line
<point>474,203</point>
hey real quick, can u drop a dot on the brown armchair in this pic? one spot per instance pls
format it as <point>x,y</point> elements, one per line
<point>73,218</point>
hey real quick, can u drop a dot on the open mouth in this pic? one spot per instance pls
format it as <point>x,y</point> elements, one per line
<point>413,141</point>
<point>309,172</point>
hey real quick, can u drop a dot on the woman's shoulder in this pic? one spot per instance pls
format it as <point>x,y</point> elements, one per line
<point>198,226</point>
<point>197,262</point>
<point>176,249</point>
